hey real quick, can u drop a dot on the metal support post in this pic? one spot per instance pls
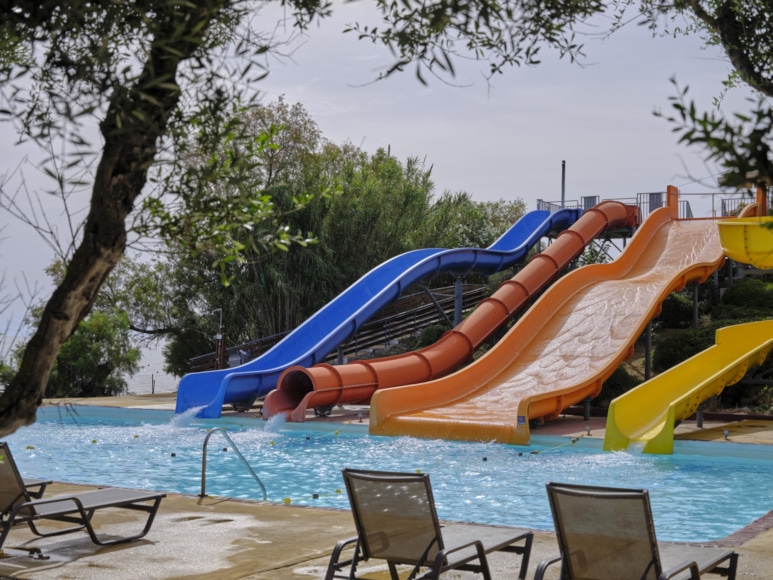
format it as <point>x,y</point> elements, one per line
<point>458,299</point>
<point>648,352</point>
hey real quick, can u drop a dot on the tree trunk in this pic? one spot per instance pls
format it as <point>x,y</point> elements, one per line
<point>137,117</point>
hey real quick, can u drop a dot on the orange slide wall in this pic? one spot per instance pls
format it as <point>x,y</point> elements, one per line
<point>299,388</point>
<point>564,347</point>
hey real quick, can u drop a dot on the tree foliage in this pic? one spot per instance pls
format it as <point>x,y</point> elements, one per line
<point>506,33</point>
<point>95,359</point>
<point>382,208</point>
<point>676,311</point>
<point>378,207</point>
<point>740,145</point>
<point>595,253</point>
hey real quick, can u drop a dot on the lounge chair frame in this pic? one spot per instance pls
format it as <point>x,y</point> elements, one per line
<point>609,533</point>
<point>396,520</point>
<point>20,504</point>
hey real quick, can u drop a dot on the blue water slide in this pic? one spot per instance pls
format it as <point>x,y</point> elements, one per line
<point>332,325</point>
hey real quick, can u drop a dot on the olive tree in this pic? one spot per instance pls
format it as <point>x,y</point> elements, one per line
<point>739,145</point>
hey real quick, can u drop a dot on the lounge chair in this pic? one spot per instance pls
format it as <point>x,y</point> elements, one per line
<point>396,521</point>
<point>20,505</point>
<point>608,533</point>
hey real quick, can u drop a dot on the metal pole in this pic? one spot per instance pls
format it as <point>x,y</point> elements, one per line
<point>439,308</point>
<point>458,298</point>
<point>219,350</point>
<point>695,306</point>
<point>648,352</point>
<point>563,183</point>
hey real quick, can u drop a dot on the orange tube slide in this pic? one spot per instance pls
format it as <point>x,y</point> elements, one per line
<point>564,347</point>
<point>299,388</point>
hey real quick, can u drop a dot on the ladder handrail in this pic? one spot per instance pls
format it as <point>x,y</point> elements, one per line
<point>238,453</point>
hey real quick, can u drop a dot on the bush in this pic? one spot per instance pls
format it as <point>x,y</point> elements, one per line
<point>430,335</point>
<point>746,298</point>
<point>677,311</point>
<point>679,346</point>
<point>618,383</point>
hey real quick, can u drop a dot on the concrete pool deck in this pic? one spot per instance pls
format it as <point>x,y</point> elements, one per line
<point>209,537</point>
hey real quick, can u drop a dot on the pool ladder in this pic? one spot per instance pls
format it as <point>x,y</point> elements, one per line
<point>238,453</point>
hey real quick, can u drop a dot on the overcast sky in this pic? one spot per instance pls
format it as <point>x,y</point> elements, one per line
<point>509,140</point>
<point>505,140</point>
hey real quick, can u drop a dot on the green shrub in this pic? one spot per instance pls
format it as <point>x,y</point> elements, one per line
<point>430,335</point>
<point>618,383</point>
<point>679,346</point>
<point>677,311</point>
<point>746,298</point>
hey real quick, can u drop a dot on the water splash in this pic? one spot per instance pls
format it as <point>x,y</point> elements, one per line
<point>636,447</point>
<point>185,418</point>
<point>275,423</point>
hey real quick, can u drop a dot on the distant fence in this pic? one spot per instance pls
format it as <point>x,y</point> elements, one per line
<point>406,316</point>
<point>150,383</point>
<point>719,204</point>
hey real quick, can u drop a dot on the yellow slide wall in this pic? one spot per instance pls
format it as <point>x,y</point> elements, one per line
<point>646,416</point>
<point>748,240</point>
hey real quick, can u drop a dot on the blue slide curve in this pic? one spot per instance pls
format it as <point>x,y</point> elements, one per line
<point>333,324</point>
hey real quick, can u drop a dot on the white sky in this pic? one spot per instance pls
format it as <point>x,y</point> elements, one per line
<point>510,141</point>
<point>503,142</point>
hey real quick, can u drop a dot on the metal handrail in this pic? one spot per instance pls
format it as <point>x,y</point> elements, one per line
<point>204,462</point>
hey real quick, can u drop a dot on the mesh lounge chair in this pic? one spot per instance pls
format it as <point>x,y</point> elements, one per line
<point>19,505</point>
<point>395,518</point>
<point>608,533</point>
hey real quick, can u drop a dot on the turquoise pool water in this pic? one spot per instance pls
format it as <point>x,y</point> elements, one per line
<point>697,493</point>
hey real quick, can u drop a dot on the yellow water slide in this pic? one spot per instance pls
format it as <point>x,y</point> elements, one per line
<point>565,346</point>
<point>646,416</point>
<point>749,238</point>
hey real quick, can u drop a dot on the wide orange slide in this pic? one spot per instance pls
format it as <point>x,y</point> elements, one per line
<point>299,388</point>
<point>565,346</point>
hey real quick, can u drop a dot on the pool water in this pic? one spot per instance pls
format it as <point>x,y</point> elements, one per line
<point>694,497</point>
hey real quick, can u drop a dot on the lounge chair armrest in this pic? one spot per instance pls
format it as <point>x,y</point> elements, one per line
<point>443,554</point>
<point>695,573</point>
<point>77,504</point>
<point>341,544</point>
<point>477,543</point>
<point>543,566</point>
<point>336,563</point>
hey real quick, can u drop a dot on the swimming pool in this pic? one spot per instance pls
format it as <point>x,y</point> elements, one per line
<point>695,497</point>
